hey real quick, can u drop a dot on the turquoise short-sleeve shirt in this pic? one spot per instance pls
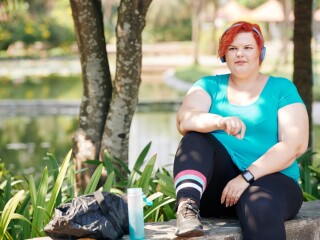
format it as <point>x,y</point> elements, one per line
<point>260,117</point>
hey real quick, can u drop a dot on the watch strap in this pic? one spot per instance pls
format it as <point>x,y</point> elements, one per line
<point>248,176</point>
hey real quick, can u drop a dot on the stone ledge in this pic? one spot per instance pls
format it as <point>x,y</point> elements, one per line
<point>305,226</point>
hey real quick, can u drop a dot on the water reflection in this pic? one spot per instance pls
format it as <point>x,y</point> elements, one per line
<point>25,141</point>
<point>160,129</point>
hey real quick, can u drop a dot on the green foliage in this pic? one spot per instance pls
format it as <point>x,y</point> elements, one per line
<point>168,21</point>
<point>316,92</point>
<point>157,184</point>
<point>26,205</point>
<point>251,3</point>
<point>8,213</point>
<point>192,73</point>
<point>29,25</point>
<point>20,211</point>
<point>310,177</point>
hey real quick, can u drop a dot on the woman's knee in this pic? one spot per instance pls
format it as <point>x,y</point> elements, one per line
<point>261,219</point>
<point>259,206</point>
<point>195,137</point>
<point>194,144</point>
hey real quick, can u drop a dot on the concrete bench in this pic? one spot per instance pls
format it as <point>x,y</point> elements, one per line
<point>305,226</point>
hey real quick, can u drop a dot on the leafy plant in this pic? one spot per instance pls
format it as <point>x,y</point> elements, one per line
<point>157,184</point>
<point>27,206</point>
<point>310,176</point>
<point>29,209</point>
<point>7,213</point>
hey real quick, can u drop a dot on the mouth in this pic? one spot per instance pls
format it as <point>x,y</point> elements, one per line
<point>240,62</point>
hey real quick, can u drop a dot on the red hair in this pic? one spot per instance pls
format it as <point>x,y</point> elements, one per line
<point>238,27</point>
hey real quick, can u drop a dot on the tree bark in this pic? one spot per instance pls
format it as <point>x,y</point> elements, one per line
<point>97,84</point>
<point>302,74</point>
<point>131,21</point>
<point>196,29</point>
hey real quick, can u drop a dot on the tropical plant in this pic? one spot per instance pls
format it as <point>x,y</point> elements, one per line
<point>310,177</point>
<point>26,206</point>
<point>29,210</point>
<point>157,184</point>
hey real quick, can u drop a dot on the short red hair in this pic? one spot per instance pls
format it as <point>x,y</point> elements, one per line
<point>238,27</point>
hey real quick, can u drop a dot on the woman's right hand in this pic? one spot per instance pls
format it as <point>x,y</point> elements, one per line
<point>233,126</point>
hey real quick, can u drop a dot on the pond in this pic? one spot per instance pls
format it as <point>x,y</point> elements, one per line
<point>25,141</point>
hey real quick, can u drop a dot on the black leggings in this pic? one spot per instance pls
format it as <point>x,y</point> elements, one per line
<point>203,167</point>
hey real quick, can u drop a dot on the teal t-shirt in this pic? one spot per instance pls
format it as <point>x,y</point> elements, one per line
<point>260,118</point>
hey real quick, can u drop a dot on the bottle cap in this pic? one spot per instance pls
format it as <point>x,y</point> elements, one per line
<point>134,190</point>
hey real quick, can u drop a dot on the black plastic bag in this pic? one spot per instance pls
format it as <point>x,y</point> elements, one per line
<point>101,215</point>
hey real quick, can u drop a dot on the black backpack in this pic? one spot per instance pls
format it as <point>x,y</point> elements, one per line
<point>100,215</point>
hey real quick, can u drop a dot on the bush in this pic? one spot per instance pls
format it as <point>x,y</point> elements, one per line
<point>27,29</point>
<point>26,207</point>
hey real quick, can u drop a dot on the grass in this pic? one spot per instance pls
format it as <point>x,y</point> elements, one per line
<point>192,73</point>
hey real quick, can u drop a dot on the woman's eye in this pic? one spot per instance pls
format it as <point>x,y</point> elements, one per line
<point>248,47</point>
<point>232,49</point>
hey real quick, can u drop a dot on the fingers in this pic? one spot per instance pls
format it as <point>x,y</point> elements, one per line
<point>233,191</point>
<point>233,126</point>
<point>241,133</point>
<point>230,199</point>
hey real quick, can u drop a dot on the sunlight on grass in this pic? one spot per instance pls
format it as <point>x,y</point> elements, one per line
<point>193,72</point>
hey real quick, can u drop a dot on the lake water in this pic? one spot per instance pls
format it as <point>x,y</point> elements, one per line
<point>25,141</point>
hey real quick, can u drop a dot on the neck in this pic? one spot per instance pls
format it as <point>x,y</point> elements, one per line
<point>246,81</point>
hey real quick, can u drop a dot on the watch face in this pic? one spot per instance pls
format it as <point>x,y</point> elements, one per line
<point>247,175</point>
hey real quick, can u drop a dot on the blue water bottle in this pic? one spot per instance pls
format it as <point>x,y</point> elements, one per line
<point>135,210</point>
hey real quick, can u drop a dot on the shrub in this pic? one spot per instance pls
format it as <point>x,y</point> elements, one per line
<point>26,206</point>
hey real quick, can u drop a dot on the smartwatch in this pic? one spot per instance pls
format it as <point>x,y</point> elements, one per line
<point>247,175</point>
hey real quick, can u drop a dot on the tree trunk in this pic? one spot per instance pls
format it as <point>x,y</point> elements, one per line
<point>302,74</point>
<point>196,29</point>
<point>214,42</point>
<point>97,84</point>
<point>131,21</point>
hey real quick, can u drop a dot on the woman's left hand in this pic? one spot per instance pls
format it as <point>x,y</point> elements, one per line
<point>233,190</point>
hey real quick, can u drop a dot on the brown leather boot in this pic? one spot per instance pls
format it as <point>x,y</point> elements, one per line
<point>188,220</point>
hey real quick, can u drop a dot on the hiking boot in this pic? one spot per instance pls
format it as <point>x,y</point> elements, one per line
<point>188,220</point>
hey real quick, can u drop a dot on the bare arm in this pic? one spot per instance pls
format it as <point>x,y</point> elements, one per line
<point>293,134</point>
<point>293,137</point>
<point>194,115</point>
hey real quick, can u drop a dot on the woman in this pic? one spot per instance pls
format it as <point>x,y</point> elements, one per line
<point>242,133</point>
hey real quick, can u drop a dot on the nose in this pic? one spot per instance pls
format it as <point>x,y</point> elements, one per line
<point>239,53</point>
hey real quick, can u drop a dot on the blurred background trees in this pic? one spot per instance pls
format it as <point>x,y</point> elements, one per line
<point>45,28</point>
<point>50,22</point>
<point>34,21</point>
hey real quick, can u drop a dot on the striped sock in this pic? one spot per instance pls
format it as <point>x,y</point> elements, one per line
<point>190,182</point>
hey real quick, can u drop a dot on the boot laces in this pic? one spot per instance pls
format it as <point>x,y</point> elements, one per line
<point>190,210</point>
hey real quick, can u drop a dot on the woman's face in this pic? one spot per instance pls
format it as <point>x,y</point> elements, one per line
<point>242,56</point>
